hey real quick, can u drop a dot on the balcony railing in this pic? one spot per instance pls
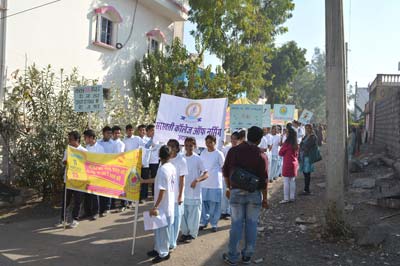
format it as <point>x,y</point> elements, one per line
<point>385,80</point>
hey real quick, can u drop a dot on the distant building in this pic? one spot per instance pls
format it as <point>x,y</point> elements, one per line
<point>361,99</point>
<point>383,113</point>
<point>102,38</point>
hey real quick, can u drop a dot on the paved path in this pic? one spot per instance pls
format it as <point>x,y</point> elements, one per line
<point>106,241</point>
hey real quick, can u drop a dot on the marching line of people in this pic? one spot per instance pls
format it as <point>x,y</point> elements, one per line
<point>194,190</point>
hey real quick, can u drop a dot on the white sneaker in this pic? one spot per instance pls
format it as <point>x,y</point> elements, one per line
<point>74,224</point>
<point>122,209</point>
<point>60,224</point>
<point>284,201</point>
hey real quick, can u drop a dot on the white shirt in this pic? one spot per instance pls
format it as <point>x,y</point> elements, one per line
<point>108,146</point>
<point>213,162</point>
<point>226,149</point>
<point>165,179</point>
<point>265,141</point>
<point>133,143</point>
<point>300,133</point>
<point>275,139</point>
<point>95,148</point>
<point>196,169</point>
<point>154,150</point>
<point>119,146</point>
<point>181,170</point>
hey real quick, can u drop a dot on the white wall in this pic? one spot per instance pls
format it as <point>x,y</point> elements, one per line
<point>60,35</point>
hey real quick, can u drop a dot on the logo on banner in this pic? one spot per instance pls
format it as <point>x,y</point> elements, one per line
<point>133,177</point>
<point>283,110</point>
<point>193,112</point>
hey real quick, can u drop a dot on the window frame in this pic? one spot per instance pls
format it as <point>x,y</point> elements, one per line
<point>99,29</point>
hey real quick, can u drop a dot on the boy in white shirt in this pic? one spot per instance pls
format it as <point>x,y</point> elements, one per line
<point>107,142</point>
<point>153,148</point>
<point>275,144</point>
<point>74,139</point>
<point>213,161</point>
<point>93,200</point>
<point>192,204</point>
<point>119,146</point>
<point>181,171</point>
<point>164,198</point>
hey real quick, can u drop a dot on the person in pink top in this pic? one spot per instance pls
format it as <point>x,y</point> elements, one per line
<point>290,152</point>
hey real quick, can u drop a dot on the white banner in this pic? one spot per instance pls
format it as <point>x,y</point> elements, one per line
<point>305,117</point>
<point>179,118</point>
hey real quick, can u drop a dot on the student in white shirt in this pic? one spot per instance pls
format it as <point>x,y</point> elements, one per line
<point>213,160</point>
<point>119,145</point>
<point>237,137</point>
<point>92,200</point>
<point>192,203</point>
<point>134,142</point>
<point>179,162</point>
<point>74,139</point>
<point>153,149</point>
<point>275,144</point>
<point>164,198</point>
<point>106,204</point>
<point>265,143</point>
<point>107,142</point>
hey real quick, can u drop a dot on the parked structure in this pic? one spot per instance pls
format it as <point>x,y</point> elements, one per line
<point>383,113</point>
<point>361,99</point>
<point>102,38</point>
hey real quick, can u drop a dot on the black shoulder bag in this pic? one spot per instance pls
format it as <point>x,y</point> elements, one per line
<point>245,180</point>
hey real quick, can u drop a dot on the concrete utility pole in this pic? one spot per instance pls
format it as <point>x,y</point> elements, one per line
<point>336,104</point>
<point>3,29</point>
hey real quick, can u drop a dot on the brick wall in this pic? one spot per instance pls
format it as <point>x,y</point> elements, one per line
<point>387,124</point>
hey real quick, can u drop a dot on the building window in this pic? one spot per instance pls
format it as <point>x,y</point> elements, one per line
<point>156,40</point>
<point>154,46</point>
<point>106,31</point>
<point>107,21</point>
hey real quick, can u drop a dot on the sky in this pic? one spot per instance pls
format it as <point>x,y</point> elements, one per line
<point>371,30</point>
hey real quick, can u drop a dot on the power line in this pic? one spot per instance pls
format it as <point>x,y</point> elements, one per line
<point>29,9</point>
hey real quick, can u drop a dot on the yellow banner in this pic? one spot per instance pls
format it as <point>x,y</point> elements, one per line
<point>110,175</point>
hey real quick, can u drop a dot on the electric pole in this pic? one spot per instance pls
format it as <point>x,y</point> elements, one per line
<point>3,34</point>
<point>336,105</point>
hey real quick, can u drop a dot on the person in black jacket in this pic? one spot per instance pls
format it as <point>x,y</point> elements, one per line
<point>308,143</point>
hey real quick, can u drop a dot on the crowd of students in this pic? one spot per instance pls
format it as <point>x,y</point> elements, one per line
<point>189,186</point>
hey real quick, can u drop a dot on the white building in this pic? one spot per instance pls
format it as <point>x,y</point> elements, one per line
<point>102,38</point>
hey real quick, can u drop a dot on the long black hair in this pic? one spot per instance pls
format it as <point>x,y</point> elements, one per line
<point>292,137</point>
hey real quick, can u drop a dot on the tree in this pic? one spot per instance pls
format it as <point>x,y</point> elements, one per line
<point>309,87</point>
<point>37,115</point>
<point>177,72</point>
<point>286,62</point>
<point>241,34</point>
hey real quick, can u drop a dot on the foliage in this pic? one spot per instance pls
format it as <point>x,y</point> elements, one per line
<point>309,87</point>
<point>241,34</point>
<point>36,117</point>
<point>286,62</point>
<point>176,72</point>
<point>122,110</point>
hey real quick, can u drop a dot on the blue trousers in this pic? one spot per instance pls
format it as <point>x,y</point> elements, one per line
<point>176,225</point>
<point>161,239</point>
<point>245,207</point>
<point>191,217</point>
<point>225,209</point>
<point>210,213</point>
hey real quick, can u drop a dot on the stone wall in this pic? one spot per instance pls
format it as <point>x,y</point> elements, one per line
<point>387,124</point>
